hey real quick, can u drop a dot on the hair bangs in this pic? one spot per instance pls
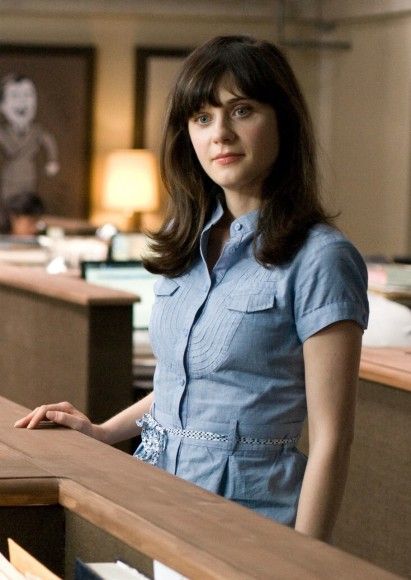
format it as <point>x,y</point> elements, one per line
<point>198,91</point>
<point>239,71</point>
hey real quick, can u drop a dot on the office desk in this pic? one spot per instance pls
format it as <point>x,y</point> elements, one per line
<point>387,366</point>
<point>395,293</point>
<point>65,495</point>
<point>70,226</point>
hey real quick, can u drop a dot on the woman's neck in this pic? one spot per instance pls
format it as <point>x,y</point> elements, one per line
<point>238,204</point>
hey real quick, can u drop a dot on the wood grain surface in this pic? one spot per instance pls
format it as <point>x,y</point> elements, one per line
<point>195,532</point>
<point>389,366</point>
<point>66,288</point>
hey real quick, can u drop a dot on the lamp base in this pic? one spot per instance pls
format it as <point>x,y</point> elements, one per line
<point>134,222</point>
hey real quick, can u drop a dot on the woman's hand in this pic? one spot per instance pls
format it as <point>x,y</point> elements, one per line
<point>119,428</point>
<point>62,414</point>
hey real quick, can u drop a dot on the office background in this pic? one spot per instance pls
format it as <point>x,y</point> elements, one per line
<point>359,96</point>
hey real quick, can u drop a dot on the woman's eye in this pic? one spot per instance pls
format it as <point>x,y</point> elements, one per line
<point>202,118</point>
<point>242,111</point>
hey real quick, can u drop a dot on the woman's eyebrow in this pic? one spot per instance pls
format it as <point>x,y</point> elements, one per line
<point>234,100</point>
<point>237,98</point>
<point>230,101</point>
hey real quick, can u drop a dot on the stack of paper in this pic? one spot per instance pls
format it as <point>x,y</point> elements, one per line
<point>23,565</point>
<point>120,571</point>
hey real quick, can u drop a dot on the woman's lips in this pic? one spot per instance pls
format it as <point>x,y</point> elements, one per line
<point>227,159</point>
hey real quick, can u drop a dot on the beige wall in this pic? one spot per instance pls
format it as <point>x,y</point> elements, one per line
<point>364,130</point>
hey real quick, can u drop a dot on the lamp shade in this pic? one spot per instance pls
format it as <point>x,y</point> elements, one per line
<point>131,181</point>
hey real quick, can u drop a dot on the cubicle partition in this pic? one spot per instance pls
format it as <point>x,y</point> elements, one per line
<point>64,339</point>
<point>64,495</point>
<point>375,517</point>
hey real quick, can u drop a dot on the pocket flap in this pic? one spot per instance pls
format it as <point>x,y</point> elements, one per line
<point>165,287</point>
<point>252,302</point>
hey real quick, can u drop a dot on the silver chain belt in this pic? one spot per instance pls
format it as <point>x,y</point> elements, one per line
<point>154,438</point>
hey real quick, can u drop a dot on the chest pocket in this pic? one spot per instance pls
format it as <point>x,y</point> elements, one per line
<point>252,302</point>
<point>228,329</point>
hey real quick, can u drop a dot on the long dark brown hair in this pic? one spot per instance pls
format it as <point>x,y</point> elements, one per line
<point>290,197</point>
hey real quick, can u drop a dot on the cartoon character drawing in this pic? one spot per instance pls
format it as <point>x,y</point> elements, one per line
<point>21,138</point>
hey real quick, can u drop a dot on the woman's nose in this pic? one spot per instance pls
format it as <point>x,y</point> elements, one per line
<point>223,130</point>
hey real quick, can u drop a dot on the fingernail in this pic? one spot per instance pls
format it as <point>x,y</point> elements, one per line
<point>51,415</point>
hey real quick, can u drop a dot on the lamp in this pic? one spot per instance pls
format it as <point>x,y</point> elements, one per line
<point>131,183</point>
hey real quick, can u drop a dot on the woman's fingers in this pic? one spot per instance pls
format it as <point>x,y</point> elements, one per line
<point>62,414</point>
<point>36,415</point>
<point>32,419</point>
<point>24,421</point>
<point>74,420</point>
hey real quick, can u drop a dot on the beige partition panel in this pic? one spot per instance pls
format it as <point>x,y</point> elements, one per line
<point>63,339</point>
<point>375,518</point>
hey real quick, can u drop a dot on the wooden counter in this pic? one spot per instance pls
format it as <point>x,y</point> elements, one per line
<point>387,366</point>
<point>57,484</point>
<point>61,287</point>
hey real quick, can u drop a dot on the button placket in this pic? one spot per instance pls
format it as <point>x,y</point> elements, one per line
<point>181,380</point>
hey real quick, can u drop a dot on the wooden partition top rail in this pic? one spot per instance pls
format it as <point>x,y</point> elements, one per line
<point>29,491</point>
<point>195,532</point>
<point>389,366</point>
<point>69,289</point>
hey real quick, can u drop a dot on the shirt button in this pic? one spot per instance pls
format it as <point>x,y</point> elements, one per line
<point>231,250</point>
<point>182,382</point>
<point>238,227</point>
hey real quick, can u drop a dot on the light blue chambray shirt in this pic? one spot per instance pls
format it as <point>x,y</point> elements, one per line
<point>229,348</point>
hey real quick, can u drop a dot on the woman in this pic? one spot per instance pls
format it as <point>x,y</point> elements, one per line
<point>260,312</point>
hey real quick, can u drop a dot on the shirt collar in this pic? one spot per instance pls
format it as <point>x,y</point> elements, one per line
<point>248,221</point>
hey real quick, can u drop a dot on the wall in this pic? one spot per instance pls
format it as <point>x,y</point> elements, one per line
<point>364,130</point>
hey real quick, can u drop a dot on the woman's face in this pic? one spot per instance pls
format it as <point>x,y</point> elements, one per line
<point>236,143</point>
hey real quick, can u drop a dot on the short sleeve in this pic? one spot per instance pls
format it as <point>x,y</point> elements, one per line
<point>330,286</point>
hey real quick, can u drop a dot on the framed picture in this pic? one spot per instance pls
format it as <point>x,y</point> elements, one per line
<point>156,71</point>
<point>45,125</point>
